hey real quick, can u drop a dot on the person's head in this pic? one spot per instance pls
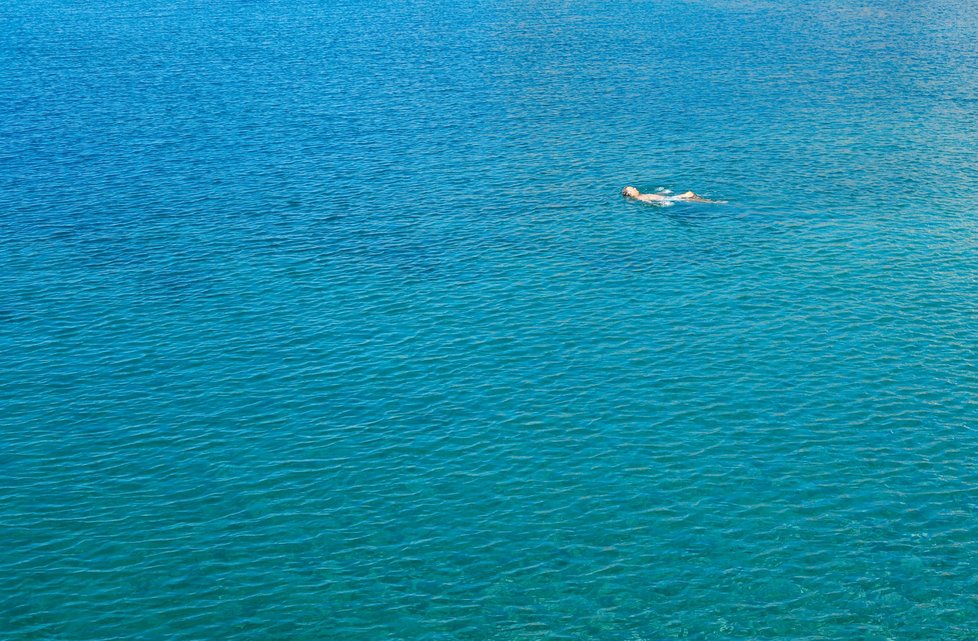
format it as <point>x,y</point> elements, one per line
<point>630,192</point>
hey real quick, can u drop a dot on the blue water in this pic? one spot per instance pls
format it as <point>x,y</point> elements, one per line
<point>326,320</point>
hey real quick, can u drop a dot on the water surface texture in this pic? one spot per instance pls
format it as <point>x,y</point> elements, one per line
<point>325,320</point>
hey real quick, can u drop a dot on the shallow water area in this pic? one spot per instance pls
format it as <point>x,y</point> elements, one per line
<point>329,320</point>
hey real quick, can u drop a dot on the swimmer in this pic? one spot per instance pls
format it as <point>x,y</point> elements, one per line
<point>631,192</point>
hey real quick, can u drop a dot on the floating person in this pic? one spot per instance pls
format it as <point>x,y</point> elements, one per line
<point>690,197</point>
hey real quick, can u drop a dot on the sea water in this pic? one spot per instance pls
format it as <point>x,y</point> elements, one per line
<point>326,320</point>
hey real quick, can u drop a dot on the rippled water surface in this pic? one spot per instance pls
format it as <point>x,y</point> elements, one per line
<point>325,320</point>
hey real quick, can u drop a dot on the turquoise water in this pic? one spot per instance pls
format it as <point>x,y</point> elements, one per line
<point>325,320</point>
